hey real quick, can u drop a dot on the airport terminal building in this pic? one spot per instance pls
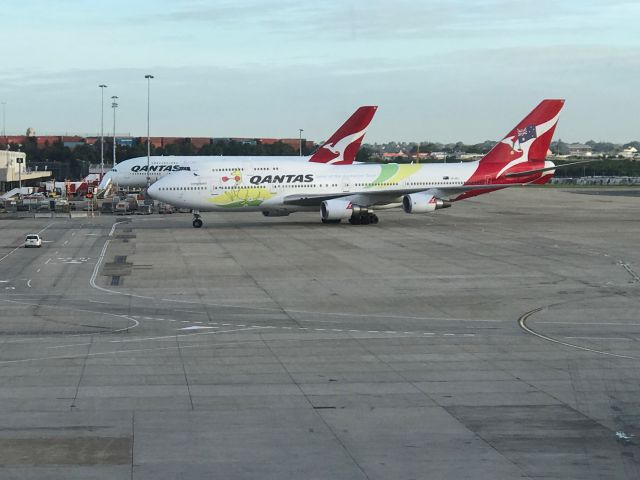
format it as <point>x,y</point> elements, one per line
<point>13,168</point>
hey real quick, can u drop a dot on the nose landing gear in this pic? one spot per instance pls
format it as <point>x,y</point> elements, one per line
<point>197,222</point>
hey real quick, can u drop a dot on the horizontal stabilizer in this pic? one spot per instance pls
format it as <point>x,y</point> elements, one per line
<point>546,169</point>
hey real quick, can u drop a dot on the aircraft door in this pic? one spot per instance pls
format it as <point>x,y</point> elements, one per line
<point>346,184</point>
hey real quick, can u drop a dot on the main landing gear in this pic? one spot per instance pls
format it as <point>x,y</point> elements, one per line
<point>197,222</point>
<point>364,218</point>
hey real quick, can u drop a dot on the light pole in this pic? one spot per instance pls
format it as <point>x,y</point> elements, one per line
<point>148,77</point>
<point>4,124</point>
<point>301,130</point>
<point>19,162</point>
<point>102,87</point>
<point>114,105</point>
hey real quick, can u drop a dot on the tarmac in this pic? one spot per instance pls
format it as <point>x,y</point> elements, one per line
<point>496,339</point>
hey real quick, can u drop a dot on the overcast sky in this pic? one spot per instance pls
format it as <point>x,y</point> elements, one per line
<point>442,70</point>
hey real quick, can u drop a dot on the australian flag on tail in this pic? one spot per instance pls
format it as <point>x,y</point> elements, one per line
<point>526,133</point>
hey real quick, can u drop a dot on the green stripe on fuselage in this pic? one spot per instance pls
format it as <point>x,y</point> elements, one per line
<point>393,173</point>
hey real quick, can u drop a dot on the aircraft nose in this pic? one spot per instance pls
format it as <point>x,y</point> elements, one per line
<point>152,191</point>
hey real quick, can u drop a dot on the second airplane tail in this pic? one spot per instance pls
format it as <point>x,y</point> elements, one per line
<point>343,145</point>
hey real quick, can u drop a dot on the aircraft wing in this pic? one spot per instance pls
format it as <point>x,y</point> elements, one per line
<point>382,197</point>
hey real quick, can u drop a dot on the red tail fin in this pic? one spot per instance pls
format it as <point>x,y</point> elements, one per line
<point>526,145</point>
<point>342,146</point>
<point>529,140</point>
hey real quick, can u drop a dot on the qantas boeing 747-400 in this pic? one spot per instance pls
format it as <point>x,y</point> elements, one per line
<point>354,192</point>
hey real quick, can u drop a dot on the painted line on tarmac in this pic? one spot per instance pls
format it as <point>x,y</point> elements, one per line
<point>600,338</point>
<point>120,352</point>
<point>630,271</point>
<point>606,324</point>
<point>522,321</point>
<point>173,337</point>
<point>318,329</point>
<point>60,307</point>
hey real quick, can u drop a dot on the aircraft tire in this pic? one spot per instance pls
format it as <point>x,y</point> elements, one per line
<point>197,223</point>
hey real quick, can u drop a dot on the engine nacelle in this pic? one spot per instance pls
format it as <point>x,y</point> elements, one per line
<point>422,203</point>
<point>336,209</point>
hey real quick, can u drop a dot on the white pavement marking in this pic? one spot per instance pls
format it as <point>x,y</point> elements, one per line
<point>71,345</point>
<point>196,327</point>
<point>29,283</point>
<point>601,338</point>
<point>606,324</point>
<point>173,337</point>
<point>120,352</point>
<point>61,307</point>
<point>522,321</point>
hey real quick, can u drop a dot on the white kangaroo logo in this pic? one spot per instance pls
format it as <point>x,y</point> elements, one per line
<point>524,147</point>
<point>341,145</point>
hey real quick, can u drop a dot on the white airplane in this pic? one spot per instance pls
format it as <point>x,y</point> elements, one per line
<point>340,149</point>
<point>354,192</point>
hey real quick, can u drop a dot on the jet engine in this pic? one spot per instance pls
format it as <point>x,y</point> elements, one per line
<point>336,209</point>
<point>422,203</point>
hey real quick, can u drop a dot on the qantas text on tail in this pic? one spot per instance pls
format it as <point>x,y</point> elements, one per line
<point>354,192</point>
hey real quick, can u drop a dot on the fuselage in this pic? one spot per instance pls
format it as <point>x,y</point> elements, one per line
<point>290,186</point>
<point>133,172</point>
